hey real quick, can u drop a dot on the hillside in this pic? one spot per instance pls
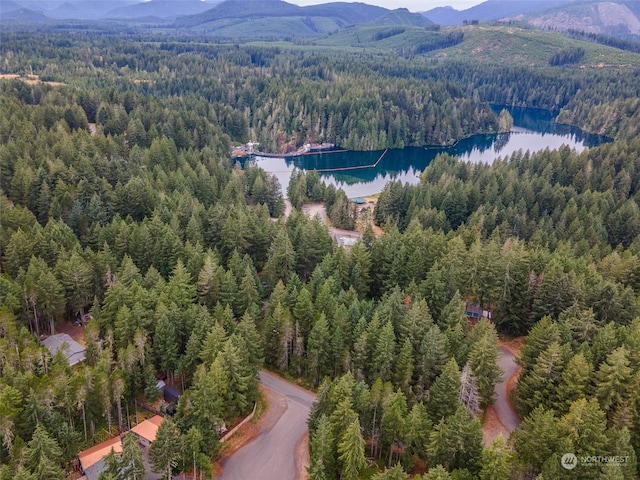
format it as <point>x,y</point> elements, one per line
<point>400,39</point>
<point>489,11</point>
<point>510,45</point>
<point>236,18</point>
<point>612,18</point>
<point>159,8</point>
<point>402,16</point>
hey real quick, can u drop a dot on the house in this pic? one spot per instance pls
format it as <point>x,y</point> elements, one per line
<point>475,311</point>
<point>146,431</point>
<point>71,349</point>
<point>92,459</point>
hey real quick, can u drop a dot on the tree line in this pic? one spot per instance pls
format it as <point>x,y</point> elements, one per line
<point>189,269</point>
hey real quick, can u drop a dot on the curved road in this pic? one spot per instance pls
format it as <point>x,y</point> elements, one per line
<point>502,407</point>
<point>271,456</point>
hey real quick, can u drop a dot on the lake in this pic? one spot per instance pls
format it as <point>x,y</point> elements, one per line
<point>365,173</point>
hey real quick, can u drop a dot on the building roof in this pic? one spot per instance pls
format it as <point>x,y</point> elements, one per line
<point>93,472</point>
<point>171,394</point>
<point>95,454</point>
<point>72,350</point>
<point>149,428</point>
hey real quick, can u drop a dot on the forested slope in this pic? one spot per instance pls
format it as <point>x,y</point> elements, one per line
<point>187,271</point>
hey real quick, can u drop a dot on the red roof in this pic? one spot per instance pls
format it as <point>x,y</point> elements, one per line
<point>96,453</point>
<point>149,428</point>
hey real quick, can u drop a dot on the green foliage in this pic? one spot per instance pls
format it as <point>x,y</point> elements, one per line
<point>147,225</point>
<point>456,442</point>
<point>351,451</point>
<point>43,455</point>
<point>164,452</point>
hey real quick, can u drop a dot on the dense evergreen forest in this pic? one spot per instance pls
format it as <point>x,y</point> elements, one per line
<point>189,268</point>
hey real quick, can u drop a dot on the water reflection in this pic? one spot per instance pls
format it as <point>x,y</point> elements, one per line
<point>533,131</point>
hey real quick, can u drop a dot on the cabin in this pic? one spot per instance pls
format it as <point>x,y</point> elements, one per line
<point>146,431</point>
<point>92,459</point>
<point>169,393</point>
<point>475,311</point>
<point>71,349</point>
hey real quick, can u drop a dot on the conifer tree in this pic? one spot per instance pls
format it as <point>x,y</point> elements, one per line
<point>417,432</point>
<point>164,452</point>
<point>281,262</point>
<point>318,349</point>
<point>543,334</point>
<point>394,421</point>
<point>394,473</point>
<point>444,393</point>
<point>131,461</point>
<point>165,342</point>
<point>537,439</point>
<point>432,357</point>
<point>436,473</point>
<point>323,451</point>
<point>575,382</point>
<point>496,460</point>
<point>351,451</point>
<point>384,353</point>
<point>483,360</point>
<point>42,456</point>
<point>456,442</point>
<point>539,385</point>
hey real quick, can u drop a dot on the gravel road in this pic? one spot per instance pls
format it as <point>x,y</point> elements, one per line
<point>272,455</point>
<point>502,407</point>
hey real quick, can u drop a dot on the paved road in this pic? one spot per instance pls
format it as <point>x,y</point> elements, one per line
<point>502,406</point>
<point>271,456</point>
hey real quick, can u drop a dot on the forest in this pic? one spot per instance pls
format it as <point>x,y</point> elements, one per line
<point>119,199</point>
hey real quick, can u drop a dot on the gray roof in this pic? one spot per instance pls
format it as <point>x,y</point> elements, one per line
<point>72,350</point>
<point>94,471</point>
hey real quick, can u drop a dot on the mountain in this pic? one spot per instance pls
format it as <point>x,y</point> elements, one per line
<point>614,18</point>
<point>23,15</point>
<point>490,10</point>
<point>86,10</point>
<point>158,8</point>
<point>402,16</point>
<point>321,17</point>
<point>8,6</point>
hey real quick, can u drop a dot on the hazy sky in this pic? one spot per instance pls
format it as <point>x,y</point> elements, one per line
<point>413,5</point>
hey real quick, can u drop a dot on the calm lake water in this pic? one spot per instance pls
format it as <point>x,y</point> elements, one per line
<point>533,130</point>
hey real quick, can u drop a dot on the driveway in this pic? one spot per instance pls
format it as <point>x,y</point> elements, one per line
<point>502,406</point>
<point>272,455</point>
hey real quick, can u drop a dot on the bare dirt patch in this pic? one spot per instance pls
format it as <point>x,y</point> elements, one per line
<point>74,331</point>
<point>492,427</point>
<point>29,79</point>
<point>316,208</point>
<point>513,345</point>
<point>303,457</point>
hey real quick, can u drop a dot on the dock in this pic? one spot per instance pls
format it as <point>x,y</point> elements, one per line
<point>247,150</point>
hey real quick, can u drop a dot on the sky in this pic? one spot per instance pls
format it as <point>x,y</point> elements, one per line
<point>412,5</point>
